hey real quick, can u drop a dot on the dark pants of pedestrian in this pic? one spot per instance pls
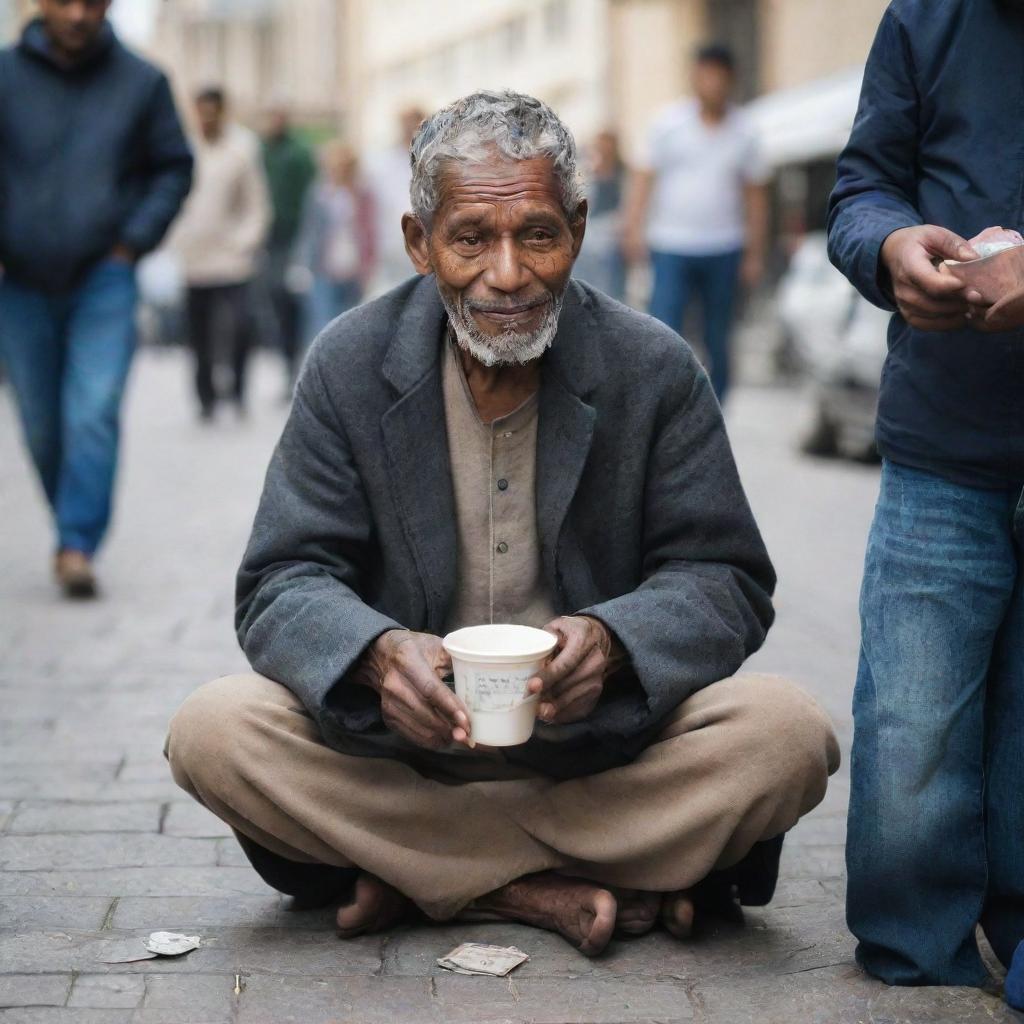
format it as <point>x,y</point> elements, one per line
<point>936,831</point>
<point>714,278</point>
<point>67,357</point>
<point>287,308</point>
<point>218,318</point>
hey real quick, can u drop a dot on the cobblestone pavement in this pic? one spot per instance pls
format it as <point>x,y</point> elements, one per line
<point>96,843</point>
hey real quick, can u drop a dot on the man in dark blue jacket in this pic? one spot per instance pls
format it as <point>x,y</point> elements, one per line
<point>93,168</point>
<point>936,817</point>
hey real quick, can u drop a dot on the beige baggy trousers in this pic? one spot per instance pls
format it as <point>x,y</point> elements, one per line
<point>739,762</point>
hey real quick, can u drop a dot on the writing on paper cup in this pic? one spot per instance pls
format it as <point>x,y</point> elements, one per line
<point>492,665</point>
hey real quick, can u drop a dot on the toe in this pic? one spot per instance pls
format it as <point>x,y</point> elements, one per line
<point>598,931</point>
<point>677,914</point>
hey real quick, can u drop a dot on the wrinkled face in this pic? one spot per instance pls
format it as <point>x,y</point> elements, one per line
<point>502,249</point>
<point>73,25</point>
<point>712,83</point>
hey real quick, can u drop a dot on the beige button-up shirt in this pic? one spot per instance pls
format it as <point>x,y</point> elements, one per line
<point>494,468</point>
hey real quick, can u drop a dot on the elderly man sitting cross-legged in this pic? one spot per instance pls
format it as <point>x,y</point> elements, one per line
<point>492,442</point>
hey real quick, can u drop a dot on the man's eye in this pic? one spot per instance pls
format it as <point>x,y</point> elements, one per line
<point>470,240</point>
<point>540,235</point>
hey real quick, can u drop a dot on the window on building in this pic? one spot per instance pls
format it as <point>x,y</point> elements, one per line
<point>513,36</point>
<point>556,19</point>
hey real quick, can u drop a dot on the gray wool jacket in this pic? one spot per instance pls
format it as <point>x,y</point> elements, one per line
<point>641,518</point>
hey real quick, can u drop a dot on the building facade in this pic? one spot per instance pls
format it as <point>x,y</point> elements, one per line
<point>557,50</point>
<point>262,52</point>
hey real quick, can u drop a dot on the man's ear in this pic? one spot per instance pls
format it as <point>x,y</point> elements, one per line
<point>417,244</point>
<point>578,227</point>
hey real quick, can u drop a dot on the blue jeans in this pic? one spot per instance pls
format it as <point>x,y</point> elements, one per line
<point>714,279</point>
<point>936,830</point>
<point>67,357</point>
<point>328,299</point>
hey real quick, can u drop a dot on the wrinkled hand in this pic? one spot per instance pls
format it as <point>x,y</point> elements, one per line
<point>1005,315</point>
<point>571,683</point>
<point>406,669</point>
<point>928,300</point>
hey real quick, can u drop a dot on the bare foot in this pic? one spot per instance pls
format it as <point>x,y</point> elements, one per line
<point>638,911</point>
<point>375,907</point>
<point>677,914</point>
<point>578,910</point>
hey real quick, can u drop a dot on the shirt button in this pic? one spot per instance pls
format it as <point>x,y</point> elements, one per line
<point>502,548</point>
<point>502,484</point>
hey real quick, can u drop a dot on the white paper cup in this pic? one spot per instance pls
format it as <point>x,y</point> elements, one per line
<point>492,665</point>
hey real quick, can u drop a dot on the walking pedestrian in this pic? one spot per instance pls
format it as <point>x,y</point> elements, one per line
<point>389,177</point>
<point>337,242</point>
<point>936,817</point>
<point>93,167</point>
<point>602,262</point>
<point>699,206</point>
<point>219,239</point>
<point>290,171</point>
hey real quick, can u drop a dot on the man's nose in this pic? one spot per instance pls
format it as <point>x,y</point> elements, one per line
<point>507,271</point>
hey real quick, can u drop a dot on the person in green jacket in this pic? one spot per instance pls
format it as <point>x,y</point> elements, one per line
<point>290,171</point>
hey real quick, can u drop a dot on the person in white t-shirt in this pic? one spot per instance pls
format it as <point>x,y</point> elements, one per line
<point>388,175</point>
<point>699,207</point>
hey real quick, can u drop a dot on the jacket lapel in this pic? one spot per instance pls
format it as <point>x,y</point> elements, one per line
<point>416,445</point>
<point>565,433</point>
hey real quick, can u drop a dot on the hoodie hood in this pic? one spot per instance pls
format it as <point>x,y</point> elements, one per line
<point>36,42</point>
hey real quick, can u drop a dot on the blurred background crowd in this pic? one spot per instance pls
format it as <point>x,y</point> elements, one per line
<point>304,110</point>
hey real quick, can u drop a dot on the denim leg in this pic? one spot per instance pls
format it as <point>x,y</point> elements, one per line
<point>672,286</point>
<point>719,277</point>
<point>1003,919</point>
<point>938,579</point>
<point>100,341</point>
<point>31,347</point>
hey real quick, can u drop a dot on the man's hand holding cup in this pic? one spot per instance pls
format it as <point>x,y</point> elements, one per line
<point>571,683</point>
<point>407,670</point>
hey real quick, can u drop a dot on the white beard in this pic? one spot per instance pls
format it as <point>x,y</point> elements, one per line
<point>509,348</point>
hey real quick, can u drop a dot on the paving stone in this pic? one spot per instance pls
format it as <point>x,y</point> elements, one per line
<point>189,818</point>
<point>83,913</point>
<point>180,913</point>
<point>264,950</point>
<point>107,991</point>
<point>207,998</point>
<point>230,853</point>
<point>85,816</point>
<point>34,989</point>
<point>65,1015</point>
<point>59,852</point>
<point>147,881</point>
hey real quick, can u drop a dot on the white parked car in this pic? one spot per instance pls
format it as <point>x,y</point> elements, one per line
<point>840,340</point>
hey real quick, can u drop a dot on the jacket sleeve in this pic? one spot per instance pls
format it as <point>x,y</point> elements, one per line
<point>876,191</point>
<point>299,614</point>
<point>705,603</point>
<point>168,159</point>
<point>253,213</point>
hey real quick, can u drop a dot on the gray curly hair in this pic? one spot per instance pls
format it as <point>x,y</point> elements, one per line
<point>468,130</point>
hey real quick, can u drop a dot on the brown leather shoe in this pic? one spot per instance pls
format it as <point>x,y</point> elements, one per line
<point>74,573</point>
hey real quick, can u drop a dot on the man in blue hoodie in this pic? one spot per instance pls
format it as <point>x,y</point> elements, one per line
<point>936,156</point>
<point>93,168</point>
